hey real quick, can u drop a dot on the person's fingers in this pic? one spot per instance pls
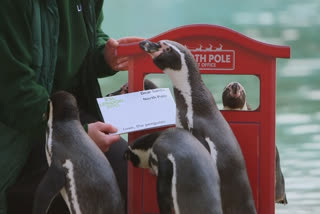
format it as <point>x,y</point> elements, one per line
<point>130,39</point>
<point>99,133</point>
<point>113,138</point>
<point>118,63</point>
<point>122,59</point>
<point>107,128</point>
<point>110,47</point>
<point>123,66</point>
<point>105,141</point>
<point>112,43</point>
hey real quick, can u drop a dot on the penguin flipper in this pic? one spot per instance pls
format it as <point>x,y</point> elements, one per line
<point>51,184</point>
<point>164,186</point>
<point>280,192</point>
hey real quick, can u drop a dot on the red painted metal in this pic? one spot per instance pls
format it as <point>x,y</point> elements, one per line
<point>219,50</point>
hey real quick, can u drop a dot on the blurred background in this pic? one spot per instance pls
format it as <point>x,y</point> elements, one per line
<point>287,22</point>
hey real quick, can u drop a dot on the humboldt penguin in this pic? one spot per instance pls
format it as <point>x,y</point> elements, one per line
<point>187,177</point>
<point>234,98</point>
<point>198,113</point>
<point>78,169</point>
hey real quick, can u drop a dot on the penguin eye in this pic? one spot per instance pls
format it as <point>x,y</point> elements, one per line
<point>168,49</point>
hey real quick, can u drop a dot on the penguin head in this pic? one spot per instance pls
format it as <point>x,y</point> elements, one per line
<point>122,90</point>
<point>234,96</point>
<point>139,151</point>
<point>132,156</point>
<point>166,54</point>
<point>64,106</point>
<point>148,84</point>
<point>176,61</point>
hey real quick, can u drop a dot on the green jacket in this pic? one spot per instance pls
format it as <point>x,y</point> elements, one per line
<point>45,46</point>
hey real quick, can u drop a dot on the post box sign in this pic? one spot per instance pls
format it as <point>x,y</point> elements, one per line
<point>213,57</point>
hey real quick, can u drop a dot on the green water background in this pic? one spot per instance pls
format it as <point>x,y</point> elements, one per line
<point>284,22</point>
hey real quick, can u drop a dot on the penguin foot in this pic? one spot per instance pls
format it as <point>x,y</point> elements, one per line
<point>282,201</point>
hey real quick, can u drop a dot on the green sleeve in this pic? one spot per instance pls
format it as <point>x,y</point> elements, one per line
<point>22,101</point>
<point>103,69</point>
<point>85,127</point>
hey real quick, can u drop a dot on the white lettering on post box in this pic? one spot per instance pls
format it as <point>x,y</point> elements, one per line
<point>209,57</point>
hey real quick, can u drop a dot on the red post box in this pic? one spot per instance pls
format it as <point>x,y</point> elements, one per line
<point>219,50</point>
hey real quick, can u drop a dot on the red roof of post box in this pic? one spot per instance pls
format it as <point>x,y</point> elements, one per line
<point>198,30</point>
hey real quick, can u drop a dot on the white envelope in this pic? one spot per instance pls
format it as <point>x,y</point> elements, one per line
<point>139,110</point>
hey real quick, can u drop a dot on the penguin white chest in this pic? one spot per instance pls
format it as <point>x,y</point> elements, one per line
<point>73,201</point>
<point>174,184</point>
<point>213,151</point>
<point>49,132</point>
<point>180,80</point>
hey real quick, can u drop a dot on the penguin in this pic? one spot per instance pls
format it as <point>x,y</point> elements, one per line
<point>78,169</point>
<point>198,113</point>
<point>234,98</point>
<point>187,177</point>
<point>148,84</point>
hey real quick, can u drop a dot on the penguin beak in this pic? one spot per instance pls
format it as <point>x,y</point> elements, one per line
<point>122,90</point>
<point>114,93</point>
<point>149,47</point>
<point>235,88</point>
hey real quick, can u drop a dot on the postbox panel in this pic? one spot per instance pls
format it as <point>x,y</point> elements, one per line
<point>249,140</point>
<point>248,136</point>
<point>149,204</point>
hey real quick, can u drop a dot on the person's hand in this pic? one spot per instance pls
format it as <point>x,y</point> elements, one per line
<point>115,62</point>
<point>99,133</point>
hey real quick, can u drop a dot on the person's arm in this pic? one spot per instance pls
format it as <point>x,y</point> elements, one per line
<point>23,102</point>
<point>102,68</point>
